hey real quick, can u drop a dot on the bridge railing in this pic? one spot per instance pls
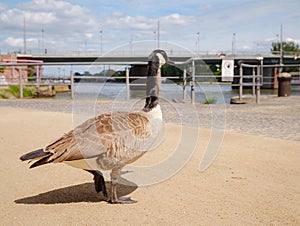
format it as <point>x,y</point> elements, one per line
<point>190,76</point>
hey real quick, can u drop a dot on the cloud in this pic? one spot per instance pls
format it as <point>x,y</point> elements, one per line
<point>14,42</point>
<point>68,25</point>
<point>297,41</point>
<point>118,14</point>
<point>89,35</point>
<point>2,6</point>
<point>178,19</point>
<point>54,13</point>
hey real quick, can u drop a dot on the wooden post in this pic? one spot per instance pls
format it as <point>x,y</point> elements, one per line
<point>184,83</point>
<point>127,84</point>
<point>72,84</point>
<point>258,81</point>
<point>193,83</point>
<point>253,81</point>
<point>21,83</point>
<point>37,71</point>
<point>241,83</point>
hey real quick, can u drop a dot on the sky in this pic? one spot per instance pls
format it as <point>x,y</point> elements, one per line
<point>101,26</point>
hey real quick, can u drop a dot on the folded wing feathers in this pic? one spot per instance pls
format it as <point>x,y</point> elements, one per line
<point>34,154</point>
<point>112,133</point>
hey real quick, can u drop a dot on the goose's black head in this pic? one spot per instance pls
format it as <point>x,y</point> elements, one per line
<point>155,61</point>
<point>151,102</point>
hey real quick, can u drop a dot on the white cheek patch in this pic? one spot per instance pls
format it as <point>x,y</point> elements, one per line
<point>161,58</point>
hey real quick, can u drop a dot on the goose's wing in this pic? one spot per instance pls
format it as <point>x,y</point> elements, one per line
<point>104,133</point>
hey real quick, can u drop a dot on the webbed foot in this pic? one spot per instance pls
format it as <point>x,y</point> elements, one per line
<point>114,199</point>
<point>122,200</point>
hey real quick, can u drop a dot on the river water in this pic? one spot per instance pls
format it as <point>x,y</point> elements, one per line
<point>220,93</point>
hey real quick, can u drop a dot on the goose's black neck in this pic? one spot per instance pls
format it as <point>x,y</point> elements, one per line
<point>151,102</point>
<point>152,86</point>
<point>155,60</point>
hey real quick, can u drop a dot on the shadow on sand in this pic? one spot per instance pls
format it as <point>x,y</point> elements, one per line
<point>76,193</point>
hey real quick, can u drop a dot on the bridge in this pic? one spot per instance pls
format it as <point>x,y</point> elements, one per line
<point>177,58</point>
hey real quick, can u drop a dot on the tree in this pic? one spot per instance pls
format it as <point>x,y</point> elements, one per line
<point>287,47</point>
<point>2,69</point>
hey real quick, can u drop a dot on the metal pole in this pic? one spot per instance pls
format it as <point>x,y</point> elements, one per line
<point>101,42</point>
<point>281,47</point>
<point>241,83</point>
<point>127,84</point>
<point>25,48</point>
<point>158,34</point>
<point>233,44</point>
<point>37,71</point>
<point>253,81</point>
<point>193,83</point>
<point>72,84</point>
<point>43,42</point>
<point>21,83</point>
<point>13,74</point>
<point>258,82</point>
<point>184,83</point>
<point>198,43</point>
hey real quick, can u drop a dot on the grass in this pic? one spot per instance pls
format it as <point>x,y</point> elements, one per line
<point>3,96</point>
<point>15,91</point>
<point>211,100</point>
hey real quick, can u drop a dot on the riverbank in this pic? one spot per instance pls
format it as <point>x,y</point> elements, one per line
<point>253,181</point>
<point>276,117</point>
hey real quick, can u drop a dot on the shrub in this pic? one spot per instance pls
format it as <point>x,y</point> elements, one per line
<point>211,100</point>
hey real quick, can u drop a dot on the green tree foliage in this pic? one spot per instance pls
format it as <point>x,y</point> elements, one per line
<point>287,47</point>
<point>2,69</point>
<point>172,71</point>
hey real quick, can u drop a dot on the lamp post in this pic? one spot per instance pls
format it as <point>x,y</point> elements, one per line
<point>43,44</point>
<point>233,44</point>
<point>281,47</point>
<point>101,42</point>
<point>25,48</point>
<point>158,33</point>
<point>198,43</point>
<point>154,33</point>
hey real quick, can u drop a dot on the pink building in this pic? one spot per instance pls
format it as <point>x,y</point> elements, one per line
<point>12,73</point>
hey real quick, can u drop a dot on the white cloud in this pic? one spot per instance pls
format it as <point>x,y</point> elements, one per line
<point>68,26</point>
<point>2,6</point>
<point>14,42</point>
<point>297,41</point>
<point>177,19</point>
<point>118,14</point>
<point>89,35</point>
<point>46,5</point>
<point>39,18</point>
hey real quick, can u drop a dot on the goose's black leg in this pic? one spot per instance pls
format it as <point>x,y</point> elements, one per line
<point>99,182</point>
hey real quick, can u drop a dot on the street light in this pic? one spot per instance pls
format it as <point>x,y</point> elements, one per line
<point>43,44</point>
<point>154,33</point>
<point>233,44</point>
<point>101,42</point>
<point>281,51</point>
<point>198,43</point>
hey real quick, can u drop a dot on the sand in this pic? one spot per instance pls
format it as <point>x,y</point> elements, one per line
<point>254,180</point>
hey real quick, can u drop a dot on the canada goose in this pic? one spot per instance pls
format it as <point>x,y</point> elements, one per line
<point>112,140</point>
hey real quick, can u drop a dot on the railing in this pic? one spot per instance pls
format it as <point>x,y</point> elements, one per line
<point>190,76</point>
<point>256,78</point>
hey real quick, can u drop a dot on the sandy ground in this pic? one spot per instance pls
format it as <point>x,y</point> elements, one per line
<point>254,180</point>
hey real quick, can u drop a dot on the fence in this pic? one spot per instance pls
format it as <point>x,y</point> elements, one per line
<point>190,76</point>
